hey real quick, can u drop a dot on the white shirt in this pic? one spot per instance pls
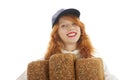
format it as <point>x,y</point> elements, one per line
<point>107,74</point>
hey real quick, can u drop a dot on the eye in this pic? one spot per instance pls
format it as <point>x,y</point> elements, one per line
<point>63,25</point>
<point>74,24</point>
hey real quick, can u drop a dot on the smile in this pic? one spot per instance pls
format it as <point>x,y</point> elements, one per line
<point>71,34</point>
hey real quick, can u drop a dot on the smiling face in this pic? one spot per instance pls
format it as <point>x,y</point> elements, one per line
<point>68,30</point>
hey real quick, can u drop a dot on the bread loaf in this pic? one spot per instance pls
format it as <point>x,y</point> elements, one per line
<point>89,69</point>
<point>61,67</point>
<point>38,70</point>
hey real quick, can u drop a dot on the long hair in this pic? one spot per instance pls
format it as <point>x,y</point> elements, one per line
<point>83,45</point>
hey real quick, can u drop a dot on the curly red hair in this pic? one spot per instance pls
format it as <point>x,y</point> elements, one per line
<point>83,45</point>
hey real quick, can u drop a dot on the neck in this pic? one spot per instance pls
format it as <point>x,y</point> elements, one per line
<point>70,47</point>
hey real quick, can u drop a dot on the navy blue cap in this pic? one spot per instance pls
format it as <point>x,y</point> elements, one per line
<point>62,12</point>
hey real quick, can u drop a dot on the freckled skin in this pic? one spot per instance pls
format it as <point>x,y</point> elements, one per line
<point>66,27</point>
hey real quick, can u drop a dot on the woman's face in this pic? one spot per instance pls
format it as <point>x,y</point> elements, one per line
<point>68,31</point>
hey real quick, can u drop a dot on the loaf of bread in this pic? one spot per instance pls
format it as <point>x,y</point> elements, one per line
<point>61,67</point>
<point>66,67</point>
<point>38,70</point>
<point>89,69</point>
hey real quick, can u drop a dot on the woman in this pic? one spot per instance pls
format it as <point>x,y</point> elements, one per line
<point>69,36</point>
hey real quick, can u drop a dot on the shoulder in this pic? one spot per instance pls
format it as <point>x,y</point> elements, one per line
<point>107,74</point>
<point>23,76</point>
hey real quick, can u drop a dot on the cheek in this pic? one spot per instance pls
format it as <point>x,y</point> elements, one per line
<point>79,31</point>
<point>61,33</point>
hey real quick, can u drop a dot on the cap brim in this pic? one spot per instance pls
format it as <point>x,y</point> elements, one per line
<point>70,11</point>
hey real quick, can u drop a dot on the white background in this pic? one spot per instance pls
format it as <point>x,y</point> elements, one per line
<point>25,27</point>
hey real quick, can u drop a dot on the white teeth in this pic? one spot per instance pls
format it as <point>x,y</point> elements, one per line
<point>72,34</point>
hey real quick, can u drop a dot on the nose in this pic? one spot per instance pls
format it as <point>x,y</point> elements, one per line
<point>70,27</point>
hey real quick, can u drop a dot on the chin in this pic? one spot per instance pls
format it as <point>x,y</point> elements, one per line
<point>72,41</point>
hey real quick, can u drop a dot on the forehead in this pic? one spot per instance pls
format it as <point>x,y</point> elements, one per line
<point>66,19</point>
<point>62,20</point>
